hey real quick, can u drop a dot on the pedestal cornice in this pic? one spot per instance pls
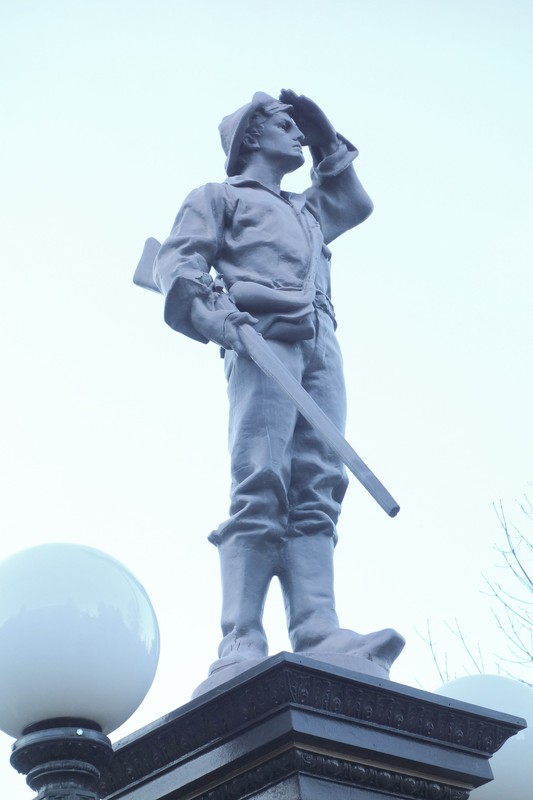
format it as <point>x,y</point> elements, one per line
<point>293,727</point>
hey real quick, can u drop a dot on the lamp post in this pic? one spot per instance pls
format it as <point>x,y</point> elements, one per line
<point>79,646</point>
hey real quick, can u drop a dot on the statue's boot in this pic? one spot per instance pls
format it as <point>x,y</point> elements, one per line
<point>247,564</point>
<point>307,584</point>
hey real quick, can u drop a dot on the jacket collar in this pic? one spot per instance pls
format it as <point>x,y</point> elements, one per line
<point>295,199</point>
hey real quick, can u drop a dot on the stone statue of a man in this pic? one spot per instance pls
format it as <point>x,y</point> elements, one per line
<point>270,249</point>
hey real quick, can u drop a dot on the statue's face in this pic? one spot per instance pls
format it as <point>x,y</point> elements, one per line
<point>281,141</point>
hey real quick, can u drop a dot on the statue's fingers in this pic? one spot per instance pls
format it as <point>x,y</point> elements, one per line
<point>288,96</point>
<point>246,319</point>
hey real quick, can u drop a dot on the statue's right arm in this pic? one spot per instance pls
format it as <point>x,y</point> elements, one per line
<point>183,263</point>
<point>182,266</point>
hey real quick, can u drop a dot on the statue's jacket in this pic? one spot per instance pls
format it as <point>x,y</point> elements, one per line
<point>246,232</point>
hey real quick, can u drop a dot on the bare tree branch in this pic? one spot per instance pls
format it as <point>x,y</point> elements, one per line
<point>517,622</point>
<point>514,612</point>
<point>442,671</point>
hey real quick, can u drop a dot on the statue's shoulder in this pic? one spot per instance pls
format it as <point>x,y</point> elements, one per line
<point>209,193</point>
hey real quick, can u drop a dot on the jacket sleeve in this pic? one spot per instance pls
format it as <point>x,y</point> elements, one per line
<point>182,265</point>
<point>337,198</point>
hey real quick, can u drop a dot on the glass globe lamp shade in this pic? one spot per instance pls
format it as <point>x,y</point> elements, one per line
<point>79,639</point>
<point>512,766</point>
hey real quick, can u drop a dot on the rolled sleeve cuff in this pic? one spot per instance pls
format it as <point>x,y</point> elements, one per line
<point>178,301</point>
<point>332,165</point>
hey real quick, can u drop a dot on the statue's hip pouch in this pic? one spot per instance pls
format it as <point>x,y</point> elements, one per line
<point>285,314</point>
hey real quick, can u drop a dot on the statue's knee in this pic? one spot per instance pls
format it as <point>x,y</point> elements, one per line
<point>263,485</point>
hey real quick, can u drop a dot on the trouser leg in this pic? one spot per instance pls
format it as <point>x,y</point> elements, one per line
<point>261,428</point>
<point>318,476</point>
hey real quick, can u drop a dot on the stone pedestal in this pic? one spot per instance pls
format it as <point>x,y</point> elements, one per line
<point>294,728</point>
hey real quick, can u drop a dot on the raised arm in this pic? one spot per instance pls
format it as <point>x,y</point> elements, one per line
<point>337,198</point>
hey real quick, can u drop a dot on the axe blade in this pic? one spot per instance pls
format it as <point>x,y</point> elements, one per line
<point>144,274</point>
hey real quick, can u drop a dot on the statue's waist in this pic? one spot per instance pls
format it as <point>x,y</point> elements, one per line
<point>285,314</point>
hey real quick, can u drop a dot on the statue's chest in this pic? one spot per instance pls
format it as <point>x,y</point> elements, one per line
<point>261,219</point>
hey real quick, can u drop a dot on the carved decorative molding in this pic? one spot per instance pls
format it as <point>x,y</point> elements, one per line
<point>390,709</point>
<point>350,774</point>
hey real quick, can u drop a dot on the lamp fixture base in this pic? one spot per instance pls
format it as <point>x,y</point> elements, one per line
<point>65,762</point>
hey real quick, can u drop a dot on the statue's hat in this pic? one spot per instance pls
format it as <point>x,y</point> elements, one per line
<point>233,127</point>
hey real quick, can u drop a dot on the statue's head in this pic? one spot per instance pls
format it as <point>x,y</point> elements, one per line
<point>241,131</point>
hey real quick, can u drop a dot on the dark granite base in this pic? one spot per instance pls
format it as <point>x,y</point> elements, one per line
<point>294,728</point>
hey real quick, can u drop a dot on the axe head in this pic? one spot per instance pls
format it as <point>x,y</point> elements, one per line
<point>144,274</point>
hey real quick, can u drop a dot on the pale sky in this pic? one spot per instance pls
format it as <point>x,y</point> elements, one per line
<point>114,427</point>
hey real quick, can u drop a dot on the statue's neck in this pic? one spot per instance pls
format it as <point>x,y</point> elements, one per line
<point>265,172</point>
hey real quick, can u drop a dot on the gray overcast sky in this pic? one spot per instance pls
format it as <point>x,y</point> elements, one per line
<point>113,427</point>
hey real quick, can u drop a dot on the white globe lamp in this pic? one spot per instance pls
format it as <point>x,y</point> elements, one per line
<point>79,646</point>
<point>512,766</point>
